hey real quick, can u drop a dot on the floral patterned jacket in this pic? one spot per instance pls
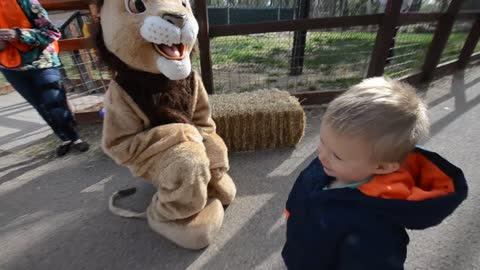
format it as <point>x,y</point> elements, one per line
<point>42,35</point>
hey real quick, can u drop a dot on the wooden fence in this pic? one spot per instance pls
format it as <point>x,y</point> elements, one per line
<point>387,23</point>
<point>74,43</point>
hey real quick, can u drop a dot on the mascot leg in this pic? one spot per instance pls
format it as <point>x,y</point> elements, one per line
<point>195,232</point>
<point>181,210</point>
<point>221,185</point>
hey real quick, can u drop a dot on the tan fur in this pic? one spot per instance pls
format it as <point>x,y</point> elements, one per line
<point>174,158</point>
<point>185,160</point>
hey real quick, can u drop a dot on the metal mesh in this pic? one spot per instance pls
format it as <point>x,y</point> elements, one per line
<point>423,6</point>
<point>456,40</point>
<point>84,78</point>
<point>248,11</point>
<point>252,3</point>
<point>332,59</point>
<point>408,49</point>
<point>336,8</point>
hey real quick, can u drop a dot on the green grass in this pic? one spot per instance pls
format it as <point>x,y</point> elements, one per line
<point>323,47</point>
<point>272,51</point>
<point>409,53</point>
<point>454,46</point>
<point>324,51</point>
<point>338,59</point>
<point>411,49</point>
<point>250,51</point>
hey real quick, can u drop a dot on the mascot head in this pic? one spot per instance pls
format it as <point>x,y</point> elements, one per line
<point>154,36</point>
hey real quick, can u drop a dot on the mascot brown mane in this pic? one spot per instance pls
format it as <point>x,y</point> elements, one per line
<point>158,121</point>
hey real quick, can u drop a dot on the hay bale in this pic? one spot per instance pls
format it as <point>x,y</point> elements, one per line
<point>264,119</point>
<point>84,104</point>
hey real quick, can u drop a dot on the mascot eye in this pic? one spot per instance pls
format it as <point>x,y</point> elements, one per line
<point>184,3</point>
<point>135,6</point>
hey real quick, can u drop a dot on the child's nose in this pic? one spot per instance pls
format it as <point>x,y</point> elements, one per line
<point>322,156</point>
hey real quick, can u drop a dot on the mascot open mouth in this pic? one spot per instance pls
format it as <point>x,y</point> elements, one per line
<point>174,52</point>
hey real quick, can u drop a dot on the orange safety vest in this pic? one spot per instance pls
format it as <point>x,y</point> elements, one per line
<point>12,15</point>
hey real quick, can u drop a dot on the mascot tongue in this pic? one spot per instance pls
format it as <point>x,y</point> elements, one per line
<point>171,51</point>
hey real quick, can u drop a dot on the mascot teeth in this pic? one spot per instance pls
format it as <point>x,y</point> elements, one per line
<point>174,52</point>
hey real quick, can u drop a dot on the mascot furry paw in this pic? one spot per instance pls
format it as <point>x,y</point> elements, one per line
<point>158,121</point>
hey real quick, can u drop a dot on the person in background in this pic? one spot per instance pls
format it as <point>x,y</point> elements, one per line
<point>29,61</point>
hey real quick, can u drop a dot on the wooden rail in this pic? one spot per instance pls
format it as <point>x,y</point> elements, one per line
<point>52,5</point>
<point>73,44</point>
<point>385,36</point>
<point>294,25</point>
<point>440,39</point>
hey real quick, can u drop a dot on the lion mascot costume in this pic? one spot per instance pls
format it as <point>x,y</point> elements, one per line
<point>158,121</point>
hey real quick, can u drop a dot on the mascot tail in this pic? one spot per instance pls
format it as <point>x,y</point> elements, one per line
<point>120,211</point>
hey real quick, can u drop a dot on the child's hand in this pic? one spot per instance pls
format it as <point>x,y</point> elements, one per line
<point>8,34</point>
<point>3,44</point>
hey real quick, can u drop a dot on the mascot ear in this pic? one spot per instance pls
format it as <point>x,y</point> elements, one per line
<point>106,57</point>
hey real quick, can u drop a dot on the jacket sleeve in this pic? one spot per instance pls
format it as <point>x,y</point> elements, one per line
<point>202,118</point>
<point>314,231</point>
<point>311,245</point>
<point>43,31</point>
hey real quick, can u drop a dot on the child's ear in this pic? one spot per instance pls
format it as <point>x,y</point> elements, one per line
<point>387,167</point>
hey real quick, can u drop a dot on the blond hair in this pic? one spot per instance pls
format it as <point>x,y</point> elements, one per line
<point>387,114</point>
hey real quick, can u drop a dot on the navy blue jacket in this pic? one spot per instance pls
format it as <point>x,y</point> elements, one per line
<point>344,229</point>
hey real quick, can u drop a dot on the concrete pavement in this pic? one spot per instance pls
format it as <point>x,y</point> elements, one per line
<point>53,212</point>
<point>20,124</point>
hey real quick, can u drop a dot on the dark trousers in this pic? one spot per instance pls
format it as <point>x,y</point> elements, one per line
<point>43,90</point>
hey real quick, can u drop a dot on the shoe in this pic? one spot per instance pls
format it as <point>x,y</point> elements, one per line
<point>81,146</point>
<point>63,149</point>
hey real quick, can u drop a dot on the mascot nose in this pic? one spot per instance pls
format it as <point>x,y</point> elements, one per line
<point>175,19</point>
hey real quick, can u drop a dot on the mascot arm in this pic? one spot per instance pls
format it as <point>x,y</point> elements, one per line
<point>127,139</point>
<point>202,119</point>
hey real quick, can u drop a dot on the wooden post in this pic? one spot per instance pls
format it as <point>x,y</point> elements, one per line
<point>440,39</point>
<point>201,13</point>
<point>470,44</point>
<point>299,40</point>
<point>51,5</point>
<point>383,41</point>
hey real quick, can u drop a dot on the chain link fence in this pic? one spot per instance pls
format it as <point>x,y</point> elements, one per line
<point>332,59</point>
<point>408,49</point>
<point>456,41</point>
<point>85,79</point>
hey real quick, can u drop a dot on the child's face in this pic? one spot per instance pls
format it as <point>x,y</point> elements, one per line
<point>346,158</point>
